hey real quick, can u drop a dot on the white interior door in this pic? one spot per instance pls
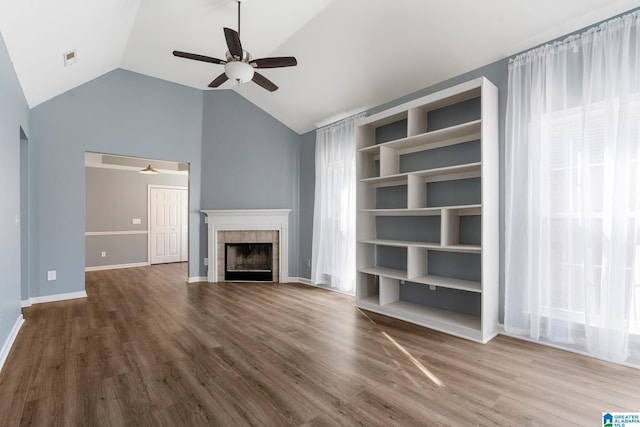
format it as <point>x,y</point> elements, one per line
<point>165,225</point>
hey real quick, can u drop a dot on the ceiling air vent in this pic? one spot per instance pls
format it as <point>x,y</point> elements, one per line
<point>69,58</point>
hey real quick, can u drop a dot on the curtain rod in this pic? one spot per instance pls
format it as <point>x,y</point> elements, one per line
<point>596,28</point>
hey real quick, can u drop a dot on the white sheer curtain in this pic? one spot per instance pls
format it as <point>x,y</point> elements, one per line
<point>572,192</point>
<point>334,216</point>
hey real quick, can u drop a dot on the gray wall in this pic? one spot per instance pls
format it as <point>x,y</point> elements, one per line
<point>119,113</point>
<point>14,114</point>
<point>307,195</point>
<point>113,198</point>
<point>251,161</point>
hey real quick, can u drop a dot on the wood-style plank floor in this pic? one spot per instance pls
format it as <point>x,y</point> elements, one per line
<point>146,349</point>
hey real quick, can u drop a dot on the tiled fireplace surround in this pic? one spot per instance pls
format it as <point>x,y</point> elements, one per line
<point>248,226</point>
<point>245,236</point>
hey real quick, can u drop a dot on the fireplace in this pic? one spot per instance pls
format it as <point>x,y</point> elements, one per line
<point>248,226</point>
<point>248,262</point>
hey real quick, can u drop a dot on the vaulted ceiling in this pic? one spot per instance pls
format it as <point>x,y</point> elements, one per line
<point>352,54</point>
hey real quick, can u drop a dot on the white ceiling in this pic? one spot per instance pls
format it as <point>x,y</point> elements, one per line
<point>352,54</point>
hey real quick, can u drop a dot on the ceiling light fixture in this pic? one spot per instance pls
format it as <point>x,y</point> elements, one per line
<point>149,170</point>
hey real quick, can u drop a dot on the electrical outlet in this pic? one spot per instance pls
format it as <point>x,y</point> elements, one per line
<point>137,221</point>
<point>309,263</point>
<point>51,275</point>
<point>104,254</point>
<point>206,261</point>
<point>432,287</point>
<point>402,282</point>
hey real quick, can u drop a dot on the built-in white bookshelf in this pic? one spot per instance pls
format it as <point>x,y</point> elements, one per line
<point>427,223</point>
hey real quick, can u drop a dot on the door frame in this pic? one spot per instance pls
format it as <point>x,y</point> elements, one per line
<point>166,187</point>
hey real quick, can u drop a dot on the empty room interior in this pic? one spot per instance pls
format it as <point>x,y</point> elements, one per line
<point>320,212</point>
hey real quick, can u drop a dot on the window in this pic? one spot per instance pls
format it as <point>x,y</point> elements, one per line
<point>572,202</point>
<point>576,204</point>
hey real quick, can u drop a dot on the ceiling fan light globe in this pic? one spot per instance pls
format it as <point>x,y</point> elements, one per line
<point>240,72</point>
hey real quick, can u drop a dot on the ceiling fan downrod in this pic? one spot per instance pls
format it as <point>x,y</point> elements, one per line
<point>239,17</point>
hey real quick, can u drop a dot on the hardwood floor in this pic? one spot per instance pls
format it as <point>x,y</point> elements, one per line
<point>147,349</point>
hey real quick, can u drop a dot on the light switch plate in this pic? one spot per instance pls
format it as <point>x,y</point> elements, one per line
<point>51,275</point>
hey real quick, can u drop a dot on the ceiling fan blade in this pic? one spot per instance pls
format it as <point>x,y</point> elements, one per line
<point>198,57</point>
<point>277,62</point>
<point>233,42</point>
<point>219,80</point>
<point>264,82</point>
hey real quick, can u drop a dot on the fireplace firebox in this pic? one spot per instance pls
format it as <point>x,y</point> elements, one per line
<point>248,262</point>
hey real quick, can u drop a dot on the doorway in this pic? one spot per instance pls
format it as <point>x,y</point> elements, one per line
<point>117,219</point>
<point>24,218</point>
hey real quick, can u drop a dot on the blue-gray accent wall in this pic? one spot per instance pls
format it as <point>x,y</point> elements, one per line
<point>122,113</point>
<point>307,195</point>
<point>14,127</point>
<point>251,162</point>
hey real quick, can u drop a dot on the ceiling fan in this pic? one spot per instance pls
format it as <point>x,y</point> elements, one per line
<point>239,65</point>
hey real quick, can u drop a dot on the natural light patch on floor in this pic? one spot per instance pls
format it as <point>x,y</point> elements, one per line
<point>413,360</point>
<point>427,373</point>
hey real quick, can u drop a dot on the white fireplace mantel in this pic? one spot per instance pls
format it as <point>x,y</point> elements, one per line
<point>245,220</point>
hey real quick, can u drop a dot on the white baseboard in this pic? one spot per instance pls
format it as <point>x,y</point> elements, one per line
<point>116,266</point>
<point>302,280</point>
<point>197,279</point>
<point>57,297</point>
<point>25,303</point>
<point>8,343</point>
